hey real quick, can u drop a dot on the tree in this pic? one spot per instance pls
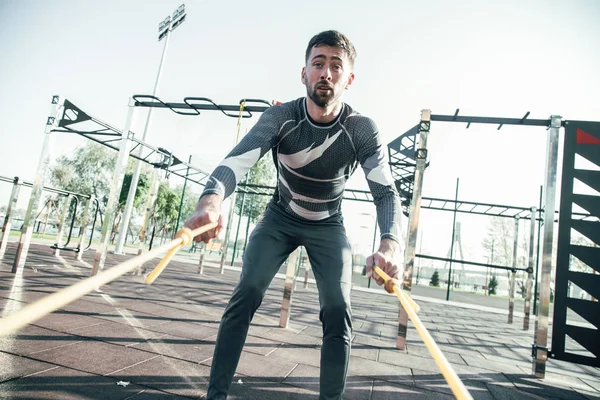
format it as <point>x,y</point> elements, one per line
<point>262,173</point>
<point>576,263</point>
<point>166,207</point>
<point>499,240</point>
<point>522,288</point>
<point>492,285</point>
<point>88,171</point>
<point>189,203</point>
<point>499,243</point>
<point>435,279</point>
<point>141,191</point>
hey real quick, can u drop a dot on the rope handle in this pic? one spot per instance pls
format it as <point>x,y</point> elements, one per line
<point>393,286</point>
<point>185,237</point>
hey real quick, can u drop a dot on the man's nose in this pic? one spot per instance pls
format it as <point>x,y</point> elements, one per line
<point>326,73</point>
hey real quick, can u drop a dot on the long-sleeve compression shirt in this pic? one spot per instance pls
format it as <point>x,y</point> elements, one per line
<point>314,161</point>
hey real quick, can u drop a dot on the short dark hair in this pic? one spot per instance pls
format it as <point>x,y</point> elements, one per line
<point>333,39</point>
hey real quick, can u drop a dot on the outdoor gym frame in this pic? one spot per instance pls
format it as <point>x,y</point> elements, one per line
<point>411,187</point>
<point>58,246</point>
<point>64,115</point>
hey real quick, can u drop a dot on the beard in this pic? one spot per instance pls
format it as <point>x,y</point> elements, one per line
<point>322,98</point>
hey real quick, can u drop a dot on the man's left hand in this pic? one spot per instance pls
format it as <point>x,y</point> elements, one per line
<point>384,259</point>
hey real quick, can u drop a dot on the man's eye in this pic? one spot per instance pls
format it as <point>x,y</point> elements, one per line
<point>318,65</point>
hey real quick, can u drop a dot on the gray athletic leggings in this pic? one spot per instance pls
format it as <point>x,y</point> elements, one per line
<point>270,243</point>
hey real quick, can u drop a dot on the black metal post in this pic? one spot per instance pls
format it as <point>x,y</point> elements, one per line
<point>182,197</point>
<point>537,261</point>
<point>248,225</point>
<point>487,283</point>
<point>373,247</point>
<point>237,232</point>
<point>453,237</point>
<point>152,237</point>
<point>420,252</point>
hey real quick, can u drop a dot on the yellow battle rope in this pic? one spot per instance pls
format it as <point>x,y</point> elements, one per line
<point>239,121</point>
<point>458,388</point>
<point>50,303</point>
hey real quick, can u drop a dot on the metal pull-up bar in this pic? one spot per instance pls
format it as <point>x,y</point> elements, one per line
<point>206,105</point>
<point>490,120</point>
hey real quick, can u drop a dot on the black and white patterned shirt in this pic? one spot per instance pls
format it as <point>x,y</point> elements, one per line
<point>314,161</point>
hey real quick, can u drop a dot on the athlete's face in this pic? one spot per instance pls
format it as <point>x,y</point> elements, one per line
<point>328,72</point>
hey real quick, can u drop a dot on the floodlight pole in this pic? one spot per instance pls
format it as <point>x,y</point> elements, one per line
<point>165,29</point>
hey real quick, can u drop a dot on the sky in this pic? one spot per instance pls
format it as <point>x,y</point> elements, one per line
<point>497,59</point>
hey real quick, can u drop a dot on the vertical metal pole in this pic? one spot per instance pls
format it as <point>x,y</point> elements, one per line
<point>529,270</point>
<point>248,226</point>
<point>115,190</point>
<point>86,216</point>
<point>306,272</point>
<point>453,239</point>
<point>47,216</point>
<point>138,164</point>
<point>413,222</point>
<point>299,264</point>
<point>513,273</point>
<point>290,276</point>
<point>487,272</point>
<point>237,232</point>
<point>38,184</point>
<point>152,194</point>
<point>61,225</point>
<point>225,244</point>
<point>373,248</point>
<point>201,261</point>
<point>537,252</point>
<point>420,252</point>
<point>187,171</point>
<point>541,322</point>
<point>595,273</point>
<point>152,236</point>
<point>12,203</point>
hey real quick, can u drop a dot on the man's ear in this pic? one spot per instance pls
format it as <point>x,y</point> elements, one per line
<point>350,80</point>
<point>303,76</point>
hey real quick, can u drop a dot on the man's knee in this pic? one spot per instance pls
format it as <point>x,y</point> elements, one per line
<point>336,317</point>
<point>248,294</point>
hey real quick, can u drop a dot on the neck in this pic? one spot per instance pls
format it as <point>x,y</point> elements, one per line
<point>323,114</point>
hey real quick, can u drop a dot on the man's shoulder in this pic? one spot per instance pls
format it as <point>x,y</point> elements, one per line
<point>289,110</point>
<point>283,114</point>
<point>355,121</point>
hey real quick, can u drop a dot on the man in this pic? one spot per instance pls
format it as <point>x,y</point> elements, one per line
<point>317,143</point>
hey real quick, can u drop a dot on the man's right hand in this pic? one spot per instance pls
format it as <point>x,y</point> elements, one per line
<point>208,211</point>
